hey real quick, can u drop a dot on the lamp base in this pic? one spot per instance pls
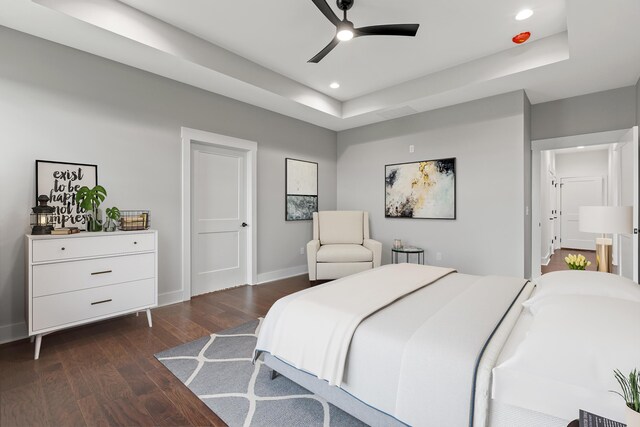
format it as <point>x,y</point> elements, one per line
<point>604,259</point>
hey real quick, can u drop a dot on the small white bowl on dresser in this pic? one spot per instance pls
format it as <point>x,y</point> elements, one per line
<point>85,277</point>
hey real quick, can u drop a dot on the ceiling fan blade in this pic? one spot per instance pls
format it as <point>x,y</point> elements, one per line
<point>327,11</point>
<point>328,48</point>
<point>388,30</point>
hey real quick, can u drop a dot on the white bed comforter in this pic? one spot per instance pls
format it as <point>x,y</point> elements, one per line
<point>312,330</point>
<point>414,359</point>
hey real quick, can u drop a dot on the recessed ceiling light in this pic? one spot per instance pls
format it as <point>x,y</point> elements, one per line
<point>334,85</point>
<point>524,14</point>
<point>580,147</point>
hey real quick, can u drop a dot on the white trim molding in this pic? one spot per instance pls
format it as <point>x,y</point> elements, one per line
<point>282,274</point>
<point>13,332</point>
<point>168,298</point>
<point>190,136</point>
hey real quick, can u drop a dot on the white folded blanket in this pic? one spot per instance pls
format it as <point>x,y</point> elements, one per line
<point>312,329</point>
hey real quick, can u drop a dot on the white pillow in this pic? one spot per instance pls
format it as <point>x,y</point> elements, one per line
<point>567,359</point>
<point>574,282</point>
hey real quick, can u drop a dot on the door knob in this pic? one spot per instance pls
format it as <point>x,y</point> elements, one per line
<point>244,224</point>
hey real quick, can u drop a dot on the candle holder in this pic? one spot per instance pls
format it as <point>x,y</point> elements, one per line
<point>42,217</point>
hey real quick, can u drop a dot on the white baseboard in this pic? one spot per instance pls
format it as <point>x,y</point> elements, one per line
<point>282,274</point>
<point>172,297</point>
<point>545,260</point>
<point>13,332</point>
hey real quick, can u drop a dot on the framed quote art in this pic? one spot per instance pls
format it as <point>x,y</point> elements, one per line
<point>301,178</point>
<point>60,181</point>
<point>424,189</point>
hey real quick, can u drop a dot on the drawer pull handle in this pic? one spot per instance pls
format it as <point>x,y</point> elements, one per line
<point>101,272</point>
<point>101,302</point>
<point>62,248</point>
<point>135,243</point>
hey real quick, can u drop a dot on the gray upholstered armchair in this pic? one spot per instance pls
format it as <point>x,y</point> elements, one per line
<point>341,245</point>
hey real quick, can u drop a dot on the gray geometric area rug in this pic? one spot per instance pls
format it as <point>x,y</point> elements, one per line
<point>219,371</point>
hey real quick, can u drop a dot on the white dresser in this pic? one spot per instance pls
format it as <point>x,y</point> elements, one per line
<point>81,278</point>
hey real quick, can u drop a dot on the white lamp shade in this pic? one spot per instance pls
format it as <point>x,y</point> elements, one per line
<point>606,219</point>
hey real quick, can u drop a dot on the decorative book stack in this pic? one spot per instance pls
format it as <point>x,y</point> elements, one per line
<point>65,230</point>
<point>587,419</point>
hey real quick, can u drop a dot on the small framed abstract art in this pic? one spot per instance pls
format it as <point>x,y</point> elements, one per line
<point>424,189</point>
<point>301,180</point>
<point>60,181</point>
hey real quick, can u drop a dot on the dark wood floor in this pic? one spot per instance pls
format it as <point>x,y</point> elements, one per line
<point>557,260</point>
<point>105,374</point>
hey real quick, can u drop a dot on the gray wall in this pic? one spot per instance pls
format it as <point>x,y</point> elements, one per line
<point>596,112</point>
<point>57,103</point>
<point>487,138</point>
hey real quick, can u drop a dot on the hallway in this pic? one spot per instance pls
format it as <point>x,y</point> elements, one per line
<point>557,260</point>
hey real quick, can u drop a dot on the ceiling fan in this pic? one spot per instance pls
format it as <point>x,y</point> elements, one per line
<point>345,30</point>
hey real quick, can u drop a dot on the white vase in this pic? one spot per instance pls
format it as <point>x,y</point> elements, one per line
<point>633,418</point>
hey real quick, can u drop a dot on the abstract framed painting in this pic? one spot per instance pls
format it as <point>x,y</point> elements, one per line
<point>425,189</point>
<point>301,180</point>
<point>60,181</point>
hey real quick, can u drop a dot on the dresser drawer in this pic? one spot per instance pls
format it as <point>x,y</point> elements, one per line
<point>70,276</point>
<point>62,309</point>
<point>84,247</point>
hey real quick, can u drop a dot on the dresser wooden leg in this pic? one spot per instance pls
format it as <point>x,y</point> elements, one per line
<point>149,317</point>
<point>31,338</point>
<point>36,355</point>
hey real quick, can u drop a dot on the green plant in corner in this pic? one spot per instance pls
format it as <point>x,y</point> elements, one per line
<point>90,199</point>
<point>113,215</point>
<point>630,386</point>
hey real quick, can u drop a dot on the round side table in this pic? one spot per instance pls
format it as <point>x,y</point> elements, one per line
<point>407,250</point>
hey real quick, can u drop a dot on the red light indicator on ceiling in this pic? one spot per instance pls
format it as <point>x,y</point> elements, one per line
<point>521,38</point>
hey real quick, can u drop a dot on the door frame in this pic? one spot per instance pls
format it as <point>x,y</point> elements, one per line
<point>191,136</point>
<point>539,145</point>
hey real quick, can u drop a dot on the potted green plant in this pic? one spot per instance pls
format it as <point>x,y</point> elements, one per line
<point>630,386</point>
<point>90,199</point>
<point>113,215</point>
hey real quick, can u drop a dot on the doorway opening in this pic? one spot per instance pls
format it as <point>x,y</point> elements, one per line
<point>599,169</point>
<point>218,212</point>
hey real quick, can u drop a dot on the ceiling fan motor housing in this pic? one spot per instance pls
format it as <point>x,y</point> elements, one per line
<point>344,4</point>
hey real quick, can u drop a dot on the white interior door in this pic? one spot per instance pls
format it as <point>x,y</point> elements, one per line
<point>629,197</point>
<point>553,228</point>
<point>576,192</point>
<point>218,241</point>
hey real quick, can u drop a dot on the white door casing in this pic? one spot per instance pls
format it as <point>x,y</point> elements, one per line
<point>540,145</point>
<point>628,196</point>
<point>576,192</point>
<point>191,137</point>
<point>218,198</point>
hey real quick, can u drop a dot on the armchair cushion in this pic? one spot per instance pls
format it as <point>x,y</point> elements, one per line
<point>344,253</point>
<point>341,227</point>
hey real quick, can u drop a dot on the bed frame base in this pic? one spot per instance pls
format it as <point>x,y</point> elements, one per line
<point>334,395</point>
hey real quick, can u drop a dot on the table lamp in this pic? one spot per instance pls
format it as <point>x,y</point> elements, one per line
<point>605,220</point>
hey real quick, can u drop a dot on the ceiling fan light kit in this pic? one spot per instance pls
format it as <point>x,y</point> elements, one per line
<point>345,29</point>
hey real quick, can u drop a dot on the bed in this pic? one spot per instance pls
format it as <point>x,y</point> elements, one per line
<point>418,345</point>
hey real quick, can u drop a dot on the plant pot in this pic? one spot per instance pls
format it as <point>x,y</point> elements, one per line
<point>93,221</point>
<point>110,225</point>
<point>632,418</point>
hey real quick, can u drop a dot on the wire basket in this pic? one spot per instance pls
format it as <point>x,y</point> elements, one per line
<point>134,220</point>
